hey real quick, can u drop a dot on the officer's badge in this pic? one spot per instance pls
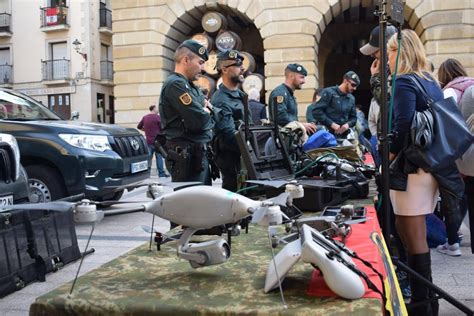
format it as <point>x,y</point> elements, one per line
<point>186,98</point>
<point>299,68</point>
<point>233,54</point>
<point>280,99</point>
<point>202,50</point>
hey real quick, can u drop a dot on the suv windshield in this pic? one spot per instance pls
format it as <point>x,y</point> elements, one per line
<point>14,106</point>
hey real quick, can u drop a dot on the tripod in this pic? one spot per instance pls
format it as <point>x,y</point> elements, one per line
<point>392,11</point>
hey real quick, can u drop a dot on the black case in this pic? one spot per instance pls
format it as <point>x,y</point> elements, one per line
<point>55,238</point>
<point>33,243</point>
<point>17,266</point>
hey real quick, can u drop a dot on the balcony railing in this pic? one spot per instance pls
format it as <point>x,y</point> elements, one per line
<point>105,18</point>
<point>56,69</point>
<point>54,16</point>
<point>5,20</point>
<point>6,74</point>
<point>106,70</point>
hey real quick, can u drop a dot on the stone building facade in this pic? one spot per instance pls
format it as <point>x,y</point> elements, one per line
<point>323,35</point>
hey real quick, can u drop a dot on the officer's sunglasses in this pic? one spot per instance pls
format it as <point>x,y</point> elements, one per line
<point>238,63</point>
<point>353,84</point>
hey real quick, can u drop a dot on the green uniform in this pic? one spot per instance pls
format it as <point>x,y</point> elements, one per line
<point>286,104</point>
<point>231,104</point>
<point>309,113</point>
<point>335,107</point>
<point>187,128</point>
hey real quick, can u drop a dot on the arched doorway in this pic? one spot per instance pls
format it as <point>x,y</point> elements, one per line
<point>339,50</point>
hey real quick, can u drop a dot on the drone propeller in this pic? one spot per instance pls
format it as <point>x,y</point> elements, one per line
<point>283,199</point>
<point>148,229</point>
<point>59,206</point>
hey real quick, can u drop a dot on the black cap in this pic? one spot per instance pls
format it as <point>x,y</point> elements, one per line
<point>297,68</point>
<point>230,54</point>
<point>351,75</point>
<point>373,45</point>
<point>229,57</point>
<point>196,48</point>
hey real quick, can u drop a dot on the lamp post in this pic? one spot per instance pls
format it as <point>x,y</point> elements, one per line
<point>77,47</point>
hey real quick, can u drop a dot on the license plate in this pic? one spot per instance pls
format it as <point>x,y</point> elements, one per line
<point>139,166</point>
<point>6,201</point>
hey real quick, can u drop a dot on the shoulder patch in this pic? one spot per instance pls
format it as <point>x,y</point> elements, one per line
<point>186,99</point>
<point>280,99</point>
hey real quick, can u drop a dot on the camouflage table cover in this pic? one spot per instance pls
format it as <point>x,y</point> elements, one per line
<point>146,283</point>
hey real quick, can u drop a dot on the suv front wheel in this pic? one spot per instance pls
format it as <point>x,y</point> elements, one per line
<point>45,184</point>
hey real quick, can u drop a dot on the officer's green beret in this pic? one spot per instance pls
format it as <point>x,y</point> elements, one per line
<point>297,68</point>
<point>351,75</point>
<point>196,48</point>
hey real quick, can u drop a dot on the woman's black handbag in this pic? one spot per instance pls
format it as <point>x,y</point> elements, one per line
<point>439,135</point>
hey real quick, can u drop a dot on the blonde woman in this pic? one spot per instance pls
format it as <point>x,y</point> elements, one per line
<point>421,188</point>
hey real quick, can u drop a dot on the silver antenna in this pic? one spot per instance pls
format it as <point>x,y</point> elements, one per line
<point>276,270</point>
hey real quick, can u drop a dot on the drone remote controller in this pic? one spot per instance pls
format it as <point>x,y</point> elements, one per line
<point>316,249</point>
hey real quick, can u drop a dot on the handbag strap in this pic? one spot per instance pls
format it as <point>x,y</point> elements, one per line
<point>420,87</point>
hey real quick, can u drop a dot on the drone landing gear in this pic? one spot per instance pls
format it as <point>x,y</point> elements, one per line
<point>202,254</point>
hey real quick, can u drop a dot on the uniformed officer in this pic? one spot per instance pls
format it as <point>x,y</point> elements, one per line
<point>283,95</point>
<point>230,100</point>
<point>186,116</point>
<point>336,109</point>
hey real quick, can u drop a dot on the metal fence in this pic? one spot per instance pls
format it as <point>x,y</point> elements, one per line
<point>6,73</point>
<point>56,69</point>
<point>52,16</point>
<point>106,70</point>
<point>5,20</point>
<point>105,18</point>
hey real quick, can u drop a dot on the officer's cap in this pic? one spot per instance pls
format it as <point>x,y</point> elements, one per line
<point>373,45</point>
<point>196,48</point>
<point>229,57</point>
<point>351,75</point>
<point>297,68</point>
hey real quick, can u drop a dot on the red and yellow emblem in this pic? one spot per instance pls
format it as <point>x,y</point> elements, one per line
<point>186,99</point>
<point>280,99</point>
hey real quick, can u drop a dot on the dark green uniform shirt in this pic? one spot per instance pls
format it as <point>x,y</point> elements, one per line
<point>231,104</point>
<point>183,118</point>
<point>335,107</point>
<point>309,113</point>
<point>286,103</point>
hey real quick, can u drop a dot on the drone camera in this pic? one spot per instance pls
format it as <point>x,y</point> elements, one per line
<point>212,252</point>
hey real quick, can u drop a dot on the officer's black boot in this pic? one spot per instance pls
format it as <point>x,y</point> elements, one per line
<point>420,293</point>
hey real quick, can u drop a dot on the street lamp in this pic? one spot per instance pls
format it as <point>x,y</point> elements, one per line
<point>77,46</point>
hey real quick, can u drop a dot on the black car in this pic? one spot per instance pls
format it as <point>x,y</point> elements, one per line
<point>13,180</point>
<point>64,158</point>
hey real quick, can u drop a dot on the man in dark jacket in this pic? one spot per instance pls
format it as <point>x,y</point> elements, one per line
<point>257,109</point>
<point>186,116</point>
<point>283,97</point>
<point>230,100</point>
<point>336,109</point>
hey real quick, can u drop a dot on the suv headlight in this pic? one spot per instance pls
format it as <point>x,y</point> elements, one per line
<point>10,140</point>
<point>91,142</point>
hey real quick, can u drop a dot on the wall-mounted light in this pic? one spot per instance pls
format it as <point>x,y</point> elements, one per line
<point>77,46</point>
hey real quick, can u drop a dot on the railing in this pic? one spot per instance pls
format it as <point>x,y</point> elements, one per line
<point>106,70</point>
<point>5,73</point>
<point>5,20</point>
<point>52,16</point>
<point>105,18</point>
<point>56,69</point>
